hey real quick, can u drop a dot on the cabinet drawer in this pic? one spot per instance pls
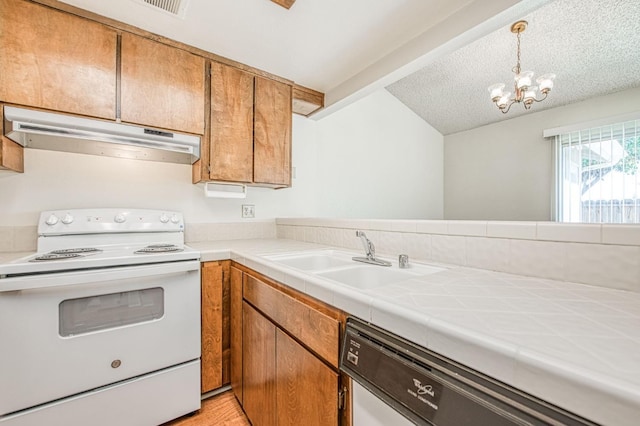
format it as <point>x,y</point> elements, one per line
<point>317,331</point>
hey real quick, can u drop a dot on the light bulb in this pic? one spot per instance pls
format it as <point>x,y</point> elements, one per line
<point>523,80</point>
<point>496,91</point>
<point>504,100</point>
<point>545,82</point>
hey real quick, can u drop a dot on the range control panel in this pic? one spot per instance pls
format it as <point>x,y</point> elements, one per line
<point>102,221</point>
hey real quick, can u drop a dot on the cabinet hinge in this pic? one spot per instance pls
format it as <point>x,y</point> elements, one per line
<point>342,398</point>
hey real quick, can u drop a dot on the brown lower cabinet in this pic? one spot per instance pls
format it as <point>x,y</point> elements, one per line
<point>284,354</point>
<point>258,367</point>
<point>298,371</point>
<point>211,327</point>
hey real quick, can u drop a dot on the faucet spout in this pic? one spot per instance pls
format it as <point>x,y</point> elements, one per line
<point>369,248</point>
<point>369,251</point>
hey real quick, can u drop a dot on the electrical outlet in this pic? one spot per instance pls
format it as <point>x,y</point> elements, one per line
<point>248,210</point>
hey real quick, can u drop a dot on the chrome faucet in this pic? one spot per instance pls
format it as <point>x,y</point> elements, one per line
<point>369,251</point>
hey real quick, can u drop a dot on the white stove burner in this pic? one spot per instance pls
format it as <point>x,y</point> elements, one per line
<point>82,250</point>
<point>65,254</point>
<point>55,256</point>
<point>158,248</point>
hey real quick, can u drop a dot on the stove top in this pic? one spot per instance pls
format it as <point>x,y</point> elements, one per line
<point>97,238</point>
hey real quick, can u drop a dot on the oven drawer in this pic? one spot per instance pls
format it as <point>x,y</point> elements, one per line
<point>166,395</point>
<point>63,334</point>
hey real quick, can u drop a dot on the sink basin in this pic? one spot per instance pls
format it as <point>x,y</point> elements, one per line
<point>313,261</point>
<point>338,266</point>
<point>369,277</point>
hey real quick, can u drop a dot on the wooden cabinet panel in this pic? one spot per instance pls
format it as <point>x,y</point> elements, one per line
<point>319,332</point>
<point>11,153</point>
<point>236,332</point>
<point>57,61</point>
<point>272,133</point>
<point>298,372</point>
<point>306,101</point>
<point>211,356</point>
<point>259,367</point>
<point>161,86</point>
<point>226,323</point>
<point>231,143</point>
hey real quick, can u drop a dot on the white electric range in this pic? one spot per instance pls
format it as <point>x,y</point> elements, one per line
<point>102,325</point>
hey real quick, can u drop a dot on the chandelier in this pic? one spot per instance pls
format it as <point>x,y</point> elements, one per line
<point>524,92</point>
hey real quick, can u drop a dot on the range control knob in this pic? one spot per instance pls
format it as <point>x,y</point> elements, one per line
<point>119,218</point>
<point>51,220</point>
<point>164,218</point>
<point>175,218</point>
<point>67,219</point>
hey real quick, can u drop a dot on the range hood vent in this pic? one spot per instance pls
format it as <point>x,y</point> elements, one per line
<point>58,132</point>
<point>174,7</point>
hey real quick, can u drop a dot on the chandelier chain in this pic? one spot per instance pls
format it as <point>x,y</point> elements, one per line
<point>517,69</point>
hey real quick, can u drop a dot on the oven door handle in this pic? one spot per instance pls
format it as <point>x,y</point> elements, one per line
<point>91,276</point>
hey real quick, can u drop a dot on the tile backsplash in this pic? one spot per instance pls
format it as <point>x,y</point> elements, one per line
<point>18,238</point>
<point>24,238</point>
<point>198,232</point>
<point>601,255</point>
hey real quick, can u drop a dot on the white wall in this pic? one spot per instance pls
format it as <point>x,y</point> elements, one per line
<point>503,171</point>
<point>377,159</point>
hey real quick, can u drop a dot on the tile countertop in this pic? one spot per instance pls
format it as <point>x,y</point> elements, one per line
<point>574,345</point>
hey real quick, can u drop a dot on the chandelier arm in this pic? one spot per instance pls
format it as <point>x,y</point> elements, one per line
<point>506,110</point>
<point>542,98</point>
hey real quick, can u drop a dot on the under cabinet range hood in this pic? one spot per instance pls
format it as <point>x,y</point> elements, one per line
<point>59,132</point>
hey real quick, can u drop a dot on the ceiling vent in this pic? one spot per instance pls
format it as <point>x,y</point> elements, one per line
<point>176,8</point>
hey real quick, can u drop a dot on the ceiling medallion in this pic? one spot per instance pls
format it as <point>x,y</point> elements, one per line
<point>524,92</point>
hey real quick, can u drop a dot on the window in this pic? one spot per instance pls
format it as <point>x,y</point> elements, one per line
<point>598,179</point>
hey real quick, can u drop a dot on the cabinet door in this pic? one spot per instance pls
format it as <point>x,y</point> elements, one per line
<point>162,86</point>
<point>231,157</point>
<point>272,133</point>
<point>299,372</point>
<point>236,333</point>
<point>211,355</point>
<point>258,367</point>
<point>57,61</point>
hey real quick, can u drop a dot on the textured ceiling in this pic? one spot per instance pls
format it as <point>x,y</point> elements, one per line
<point>592,46</point>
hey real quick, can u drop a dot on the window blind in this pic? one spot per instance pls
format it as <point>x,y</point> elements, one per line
<point>598,174</point>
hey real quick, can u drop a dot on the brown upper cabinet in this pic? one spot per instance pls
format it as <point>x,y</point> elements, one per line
<point>272,133</point>
<point>250,129</point>
<point>60,58</point>
<point>231,150</point>
<point>56,61</point>
<point>162,86</point>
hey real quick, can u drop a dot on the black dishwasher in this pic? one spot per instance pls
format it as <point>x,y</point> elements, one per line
<point>429,389</point>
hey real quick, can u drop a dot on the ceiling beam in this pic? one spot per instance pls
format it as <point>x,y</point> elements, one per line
<point>476,19</point>
<point>284,3</point>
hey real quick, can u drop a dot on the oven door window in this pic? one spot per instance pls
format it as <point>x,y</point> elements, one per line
<point>93,313</point>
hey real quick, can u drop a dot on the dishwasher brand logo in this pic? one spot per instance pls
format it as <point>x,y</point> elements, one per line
<point>423,389</point>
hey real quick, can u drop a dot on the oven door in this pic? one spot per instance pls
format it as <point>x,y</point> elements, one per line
<point>66,333</point>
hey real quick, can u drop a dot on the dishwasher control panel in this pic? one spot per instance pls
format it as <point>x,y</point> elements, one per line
<point>430,389</point>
